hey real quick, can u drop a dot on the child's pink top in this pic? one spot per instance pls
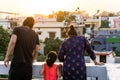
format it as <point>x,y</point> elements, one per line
<point>50,73</point>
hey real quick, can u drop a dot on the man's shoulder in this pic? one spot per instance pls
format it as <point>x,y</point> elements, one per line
<point>19,27</point>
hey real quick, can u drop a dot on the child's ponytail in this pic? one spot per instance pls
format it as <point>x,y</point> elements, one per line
<point>51,58</point>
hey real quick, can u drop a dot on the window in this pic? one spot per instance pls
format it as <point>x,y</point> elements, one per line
<point>38,28</point>
<point>52,34</point>
<point>87,25</point>
<point>39,33</point>
<point>103,59</point>
<point>97,17</point>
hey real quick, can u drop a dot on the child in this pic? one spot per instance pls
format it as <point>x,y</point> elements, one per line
<point>50,69</point>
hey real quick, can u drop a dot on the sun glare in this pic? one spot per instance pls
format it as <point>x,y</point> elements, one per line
<point>30,7</point>
<point>45,7</point>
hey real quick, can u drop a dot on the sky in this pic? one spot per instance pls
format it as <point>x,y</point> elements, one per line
<point>30,7</point>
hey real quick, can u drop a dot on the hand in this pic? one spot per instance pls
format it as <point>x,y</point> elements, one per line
<point>6,61</point>
<point>33,61</point>
<point>97,63</point>
<point>101,63</point>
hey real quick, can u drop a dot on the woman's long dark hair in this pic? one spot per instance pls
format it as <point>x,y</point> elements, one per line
<point>51,58</point>
<point>71,31</point>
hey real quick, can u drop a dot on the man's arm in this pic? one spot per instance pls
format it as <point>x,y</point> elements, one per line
<point>35,53</point>
<point>10,48</point>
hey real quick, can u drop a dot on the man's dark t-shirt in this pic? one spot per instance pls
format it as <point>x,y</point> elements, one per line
<point>21,65</point>
<point>25,44</point>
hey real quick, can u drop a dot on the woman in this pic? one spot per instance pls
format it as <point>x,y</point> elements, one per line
<point>71,54</point>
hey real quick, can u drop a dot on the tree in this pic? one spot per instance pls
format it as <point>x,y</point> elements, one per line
<point>104,24</point>
<point>65,16</point>
<point>60,16</point>
<point>107,14</point>
<point>52,44</point>
<point>4,39</point>
<point>111,14</point>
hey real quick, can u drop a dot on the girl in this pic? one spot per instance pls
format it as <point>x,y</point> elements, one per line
<point>50,69</point>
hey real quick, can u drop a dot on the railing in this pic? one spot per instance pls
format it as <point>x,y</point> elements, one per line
<point>100,72</point>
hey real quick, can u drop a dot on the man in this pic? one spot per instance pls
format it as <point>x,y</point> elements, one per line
<point>24,44</point>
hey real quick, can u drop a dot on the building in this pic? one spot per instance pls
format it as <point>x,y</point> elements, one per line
<point>8,19</point>
<point>8,23</point>
<point>114,22</point>
<point>106,56</point>
<point>49,27</point>
<point>89,23</point>
<point>117,23</point>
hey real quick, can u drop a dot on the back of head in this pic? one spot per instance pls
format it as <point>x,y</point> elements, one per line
<point>29,21</point>
<point>51,58</point>
<point>71,31</point>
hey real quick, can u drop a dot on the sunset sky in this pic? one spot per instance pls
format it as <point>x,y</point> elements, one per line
<point>29,7</point>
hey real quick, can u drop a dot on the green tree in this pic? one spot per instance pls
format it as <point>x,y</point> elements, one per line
<point>60,16</point>
<point>104,24</point>
<point>117,52</point>
<point>111,14</point>
<point>65,16</point>
<point>4,39</point>
<point>52,44</point>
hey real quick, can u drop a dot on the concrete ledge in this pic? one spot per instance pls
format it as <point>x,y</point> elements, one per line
<point>97,71</point>
<point>87,59</point>
<point>117,59</point>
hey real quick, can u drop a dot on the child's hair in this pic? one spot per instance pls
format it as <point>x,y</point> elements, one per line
<point>51,58</point>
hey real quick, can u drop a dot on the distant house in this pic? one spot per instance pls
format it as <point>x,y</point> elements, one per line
<point>8,23</point>
<point>103,56</point>
<point>114,22</point>
<point>49,27</point>
<point>89,23</point>
<point>106,56</point>
<point>8,19</point>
